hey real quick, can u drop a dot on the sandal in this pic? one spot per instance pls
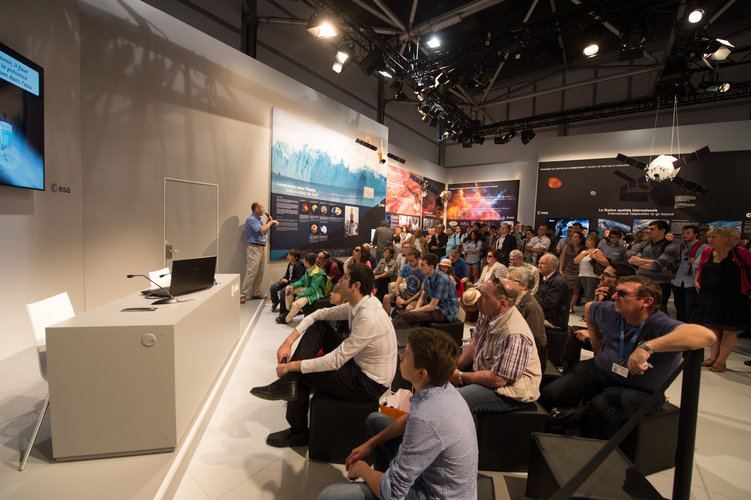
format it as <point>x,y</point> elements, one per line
<point>708,362</point>
<point>717,367</point>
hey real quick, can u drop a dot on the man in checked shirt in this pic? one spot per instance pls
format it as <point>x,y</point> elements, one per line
<point>499,370</point>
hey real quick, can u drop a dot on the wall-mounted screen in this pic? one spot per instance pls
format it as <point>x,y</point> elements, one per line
<point>21,121</point>
<point>559,226</point>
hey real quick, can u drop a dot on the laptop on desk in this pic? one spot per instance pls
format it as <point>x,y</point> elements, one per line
<point>188,276</point>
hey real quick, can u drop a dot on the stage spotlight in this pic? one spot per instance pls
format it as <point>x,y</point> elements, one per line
<point>434,42</point>
<point>718,50</point>
<point>321,26</point>
<point>478,139</point>
<point>695,16</point>
<point>505,137</point>
<point>467,142</point>
<point>591,50</point>
<point>713,87</point>
<point>337,67</point>
<point>527,135</point>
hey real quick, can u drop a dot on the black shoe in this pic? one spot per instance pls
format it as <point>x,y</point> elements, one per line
<point>281,389</point>
<point>285,438</point>
<point>274,307</point>
<point>281,319</point>
<point>747,362</point>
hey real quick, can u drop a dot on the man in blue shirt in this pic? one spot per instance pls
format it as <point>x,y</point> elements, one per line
<point>459,265</point>
<point>408,284</point>
<point>255,237</point>
<point>437,303</point>
<point>636,346</point>
<point>434,446</point>
<point>454,239</point>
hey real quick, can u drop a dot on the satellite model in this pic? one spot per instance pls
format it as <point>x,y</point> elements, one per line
<point>658,174</point>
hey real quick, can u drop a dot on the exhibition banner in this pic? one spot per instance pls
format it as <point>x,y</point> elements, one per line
<point>493,201</point>
<point>327,191</point>
<point>610,193</point>
<point>432,206</point>
<point>403,192</point>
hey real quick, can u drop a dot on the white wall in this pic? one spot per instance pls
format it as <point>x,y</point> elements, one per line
<point>41,253</point>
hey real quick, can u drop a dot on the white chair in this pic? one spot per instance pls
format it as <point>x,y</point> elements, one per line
<point>161,276</point>
<point>42,314</point>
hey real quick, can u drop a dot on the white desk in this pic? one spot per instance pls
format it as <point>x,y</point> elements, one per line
<point>113,394</point>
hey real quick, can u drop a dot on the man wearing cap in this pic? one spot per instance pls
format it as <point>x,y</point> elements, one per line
<point>499,370</point>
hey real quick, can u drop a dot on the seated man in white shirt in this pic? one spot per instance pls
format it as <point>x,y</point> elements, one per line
<point>358,368</point>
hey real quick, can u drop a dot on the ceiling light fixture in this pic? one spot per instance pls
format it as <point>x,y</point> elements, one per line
<point>718,50</point>
<point>337,67</point>
<point>341,56</point>
<point>386,73</point>
<point>527,135</point>
<point>505,137</point>
<point>713,87</point>
<point>695,16</point>
<point>321,26</point>
<point>434,42</point>
<point>591,50</point>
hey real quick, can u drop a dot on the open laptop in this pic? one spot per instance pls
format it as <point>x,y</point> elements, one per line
<point>188,276</point>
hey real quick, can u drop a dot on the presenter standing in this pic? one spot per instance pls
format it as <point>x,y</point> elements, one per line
<point>255,236</point>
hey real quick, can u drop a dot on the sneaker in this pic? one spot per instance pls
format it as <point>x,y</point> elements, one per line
<point>282,320</point>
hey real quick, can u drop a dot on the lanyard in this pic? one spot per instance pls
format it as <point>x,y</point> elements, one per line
<point>632,342</point>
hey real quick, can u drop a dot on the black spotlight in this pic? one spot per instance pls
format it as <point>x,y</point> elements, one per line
<point>505,137</point>
<point>467,141</point>
<point>527,135</point>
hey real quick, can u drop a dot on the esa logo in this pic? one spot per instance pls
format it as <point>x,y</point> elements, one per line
<point>59,189</point>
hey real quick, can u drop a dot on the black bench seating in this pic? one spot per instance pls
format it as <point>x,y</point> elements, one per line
<point>505,439</point>
<point>336,427</point>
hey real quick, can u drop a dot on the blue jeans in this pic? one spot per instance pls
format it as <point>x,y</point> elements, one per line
<point>481,399</point>
<point>382,457</point>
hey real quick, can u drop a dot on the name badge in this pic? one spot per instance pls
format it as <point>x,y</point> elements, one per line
<point>620,370</point>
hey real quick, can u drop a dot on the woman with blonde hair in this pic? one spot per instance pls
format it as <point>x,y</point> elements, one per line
<point>722,280</point>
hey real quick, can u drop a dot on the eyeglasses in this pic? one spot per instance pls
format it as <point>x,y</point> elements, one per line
<point>625,293</point>
<point>497,282</point>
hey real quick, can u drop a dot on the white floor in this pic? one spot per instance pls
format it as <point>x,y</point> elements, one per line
<point>231,459</point>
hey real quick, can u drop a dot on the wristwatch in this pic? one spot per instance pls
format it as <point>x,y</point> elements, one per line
<point>461,378</point>
<point>646,347</point>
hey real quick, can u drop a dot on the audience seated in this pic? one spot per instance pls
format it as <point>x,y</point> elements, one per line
<point>637,348</point>
<point>437,303</point>
<point>295,270</point>
<point>458,264</point>
<point>385,272</point>
<point>407,286</point>
<point>445,266</point>
<point>499,370</point>
<point>576,340</point>
<point>358,368</point>
<point>330,266</point>
<point>553,294</point>
<point>431,452</point>
<point>306,290</point>
<point>530,309</point>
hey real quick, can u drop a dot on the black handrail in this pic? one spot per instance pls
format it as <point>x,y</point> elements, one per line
<point>691,368</point>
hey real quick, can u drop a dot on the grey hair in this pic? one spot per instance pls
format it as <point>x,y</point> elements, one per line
<point>516,253</point>
<point>525,275</point>
<point>552,258</point>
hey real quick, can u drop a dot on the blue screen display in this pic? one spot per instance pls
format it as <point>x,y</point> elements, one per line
<point>21,121</point>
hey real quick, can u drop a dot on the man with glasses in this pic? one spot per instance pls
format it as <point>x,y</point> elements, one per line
<point>499,370</point>
<point>654,258</point>
<point>637,347</point>
<point>579,339</point>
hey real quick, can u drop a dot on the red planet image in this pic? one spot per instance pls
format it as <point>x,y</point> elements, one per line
<point>554,183</point>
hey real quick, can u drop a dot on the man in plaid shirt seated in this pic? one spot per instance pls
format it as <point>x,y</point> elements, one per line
<point>499,370</point>
<point>438,302</point>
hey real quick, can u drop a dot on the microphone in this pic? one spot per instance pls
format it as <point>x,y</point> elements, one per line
<point>267,215</point>
<point>170,299</point>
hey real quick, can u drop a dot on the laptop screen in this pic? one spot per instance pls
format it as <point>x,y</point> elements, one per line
<point>191,275</point>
